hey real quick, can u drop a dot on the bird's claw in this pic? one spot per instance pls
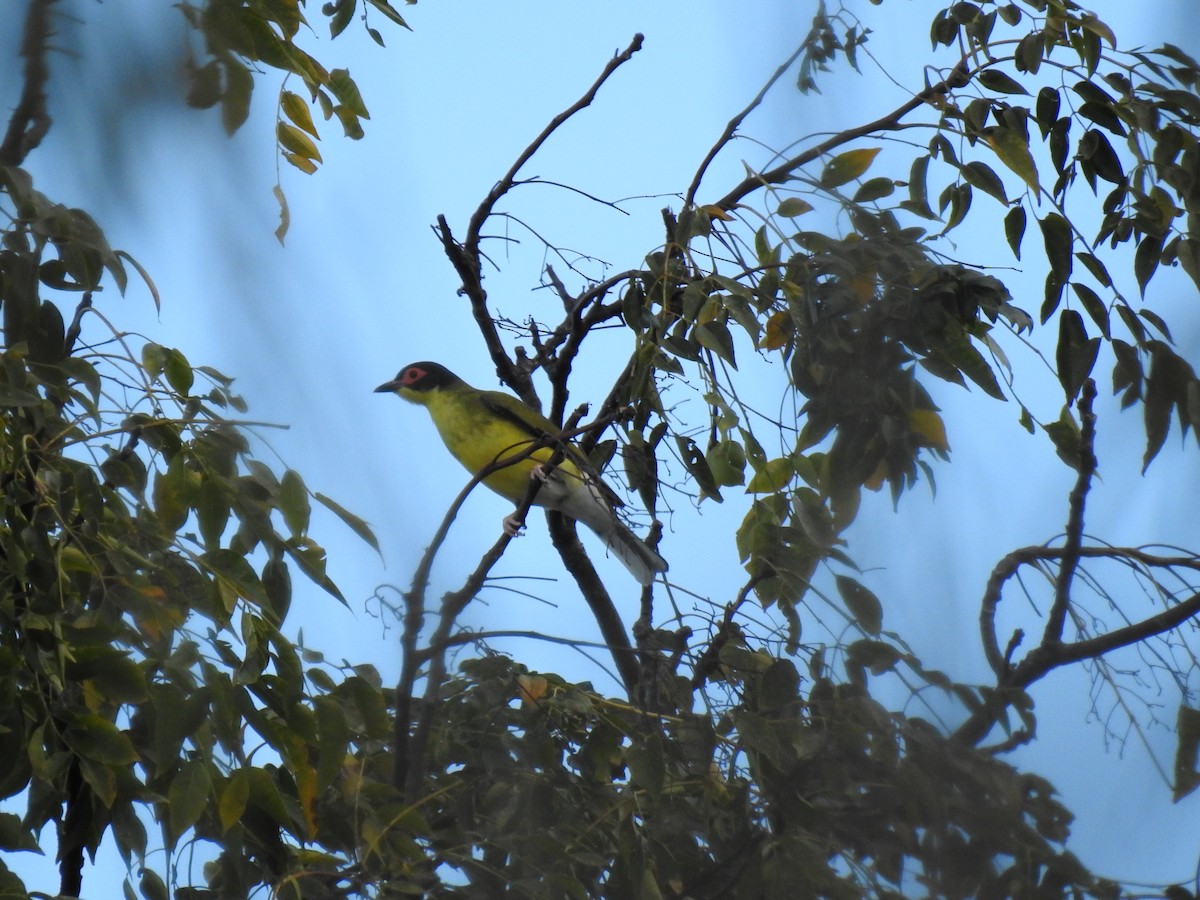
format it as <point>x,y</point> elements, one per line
<point>539,473</point>
<point>513,526</point>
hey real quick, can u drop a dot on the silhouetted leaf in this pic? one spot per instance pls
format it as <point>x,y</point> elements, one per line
<point>1014,228</point>
<point>863,605</point>
<point>1076,354</point>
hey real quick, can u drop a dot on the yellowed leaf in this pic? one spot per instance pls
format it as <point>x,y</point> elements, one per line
<point>929,427</point>
<point>713,211</point>
<point>848,166</point>
<point>296,108</point>
<point>531,688</point>
<point>772,477</point>
<point>779,330</point>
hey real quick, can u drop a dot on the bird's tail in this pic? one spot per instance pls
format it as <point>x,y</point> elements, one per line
<point>634,553</point>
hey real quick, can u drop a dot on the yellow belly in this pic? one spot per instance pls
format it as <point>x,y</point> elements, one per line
<point>477,438</point>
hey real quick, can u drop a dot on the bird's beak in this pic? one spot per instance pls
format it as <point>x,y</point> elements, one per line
<point>388,387</point>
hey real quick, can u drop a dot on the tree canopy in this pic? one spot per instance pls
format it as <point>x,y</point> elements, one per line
<point>809,312</point>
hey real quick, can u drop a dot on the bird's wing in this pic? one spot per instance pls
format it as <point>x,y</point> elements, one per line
<point>539,428</point>
<point>526,418</point>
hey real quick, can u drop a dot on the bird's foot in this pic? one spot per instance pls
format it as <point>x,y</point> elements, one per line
<point>539,473</point>
<point>513,526</point>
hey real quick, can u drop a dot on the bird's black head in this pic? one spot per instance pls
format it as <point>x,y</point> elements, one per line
<point>420,377</point>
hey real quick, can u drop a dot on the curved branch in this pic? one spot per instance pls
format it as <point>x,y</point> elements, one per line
<point>1052,653</point>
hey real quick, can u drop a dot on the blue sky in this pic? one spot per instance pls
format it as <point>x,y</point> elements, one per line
<point>361,288</point>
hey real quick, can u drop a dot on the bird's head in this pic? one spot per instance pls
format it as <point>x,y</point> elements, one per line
<point>415,381</point>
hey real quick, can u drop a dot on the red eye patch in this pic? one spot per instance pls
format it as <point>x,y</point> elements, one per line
<point>412,375</point>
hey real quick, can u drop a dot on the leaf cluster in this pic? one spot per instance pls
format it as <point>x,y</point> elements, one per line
<point>146,564</point>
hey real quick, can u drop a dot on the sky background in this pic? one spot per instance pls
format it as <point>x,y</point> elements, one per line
<point>361,288</point>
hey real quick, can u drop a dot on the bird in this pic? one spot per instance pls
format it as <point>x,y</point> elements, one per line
<point>481,428</point>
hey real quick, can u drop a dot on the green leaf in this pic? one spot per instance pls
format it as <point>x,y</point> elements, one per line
<point>1014,228</point>
<point>863,605</point>
<point>333,737</point>
<point>875,189</point>
<point>234,797</point>
<point>15,836</point>
<point>154,359</point>
<point>727,462</point>
<point>772,476</point>
<point>1046,109</point>
<point>179,372</point>
<point>235,102</point>
<point>346,91</point>
<point>1065,436</point>
<point>1146,258</point>
<point>995,80</point>
<point>984,177</point>
<point>188,797</point>
<point>235,578</point>
<point>956,349</point>
<point>1058,241</point>
<point>386,8</point>
<point>791,207</point>
<point>1076,354</point>
<point>715,336</point>
<point>357,525</point>
<point>152,887</point>
<point>98,739</point>
<point>293,503</point>
<point>212,510</point>
<point>847,166</point>
<point>697,466</point>
<point>1012,148</point>
<point>877,656</point>
<point>342,15</point>
<point>918,197</point>
<point>1097,268</point>
<point>1093,305</point>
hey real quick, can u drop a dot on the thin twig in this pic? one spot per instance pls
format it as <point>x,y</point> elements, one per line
<point>465,255</point>
<point>734,124</point>
<point>958,77</point>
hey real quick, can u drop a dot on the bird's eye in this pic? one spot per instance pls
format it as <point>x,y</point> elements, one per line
<point>412,375</point>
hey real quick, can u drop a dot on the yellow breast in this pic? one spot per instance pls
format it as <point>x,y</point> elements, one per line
<point>477,438</point>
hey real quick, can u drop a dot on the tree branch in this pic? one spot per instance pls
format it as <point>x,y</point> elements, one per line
<point>575,558</point>
<point>465,256</point>
<point>30,120</point>
<point>958,77</point>
<point>1051,654</point>
<point>1056,620</point>
<point>734,124</point>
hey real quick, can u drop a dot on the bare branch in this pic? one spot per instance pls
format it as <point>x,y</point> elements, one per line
<point>30,120</point>
<point>465,256</point>
<point>734,124</point>
<point>958,77</point>
<point>505,184</point>
<point>575,558</point>
<point>1074,534</point>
